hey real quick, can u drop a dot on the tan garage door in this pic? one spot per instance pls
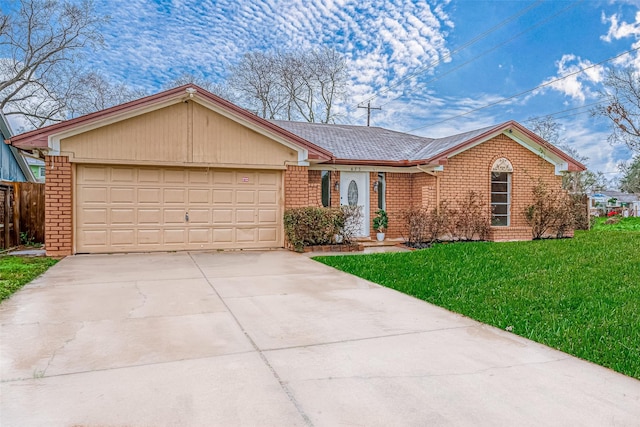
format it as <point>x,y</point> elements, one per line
<point>121,209</point>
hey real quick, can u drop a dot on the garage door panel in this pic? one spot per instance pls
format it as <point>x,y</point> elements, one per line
<point>91,194</point>
<point>223,177</point>
<point>267,235</point>
<point>149,176</point>
<point>199,196</point>
<point>174,195</point>
<point>174,176</point>
<point>267,197</point>
<point>145,208</point>
<point>198,176</point>
<point>123,175</point>
<point>221,197</point>
<point>149,195</point>
<point>123,216</point>
<point>246,235</point>
<point>199,236</point>
<point>173,216</point>
<point>94,238</point>
<point>97,216</point>
<point>222,216</point>
<point>124,237</point>
<point>267,216</point>
<point>175,236</point>
<point>149,237</point>
<point>269,179</point>
<point>199,216</point>
<point>245,197</point>
<point>245,216</point>
<point>122,195</point>
<point>94,174</point>
<point>151,216</point>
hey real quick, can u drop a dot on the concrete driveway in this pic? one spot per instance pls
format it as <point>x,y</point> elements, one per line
<point>273,338</point>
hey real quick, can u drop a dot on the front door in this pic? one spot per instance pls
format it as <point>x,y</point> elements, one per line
<point>354,191</point>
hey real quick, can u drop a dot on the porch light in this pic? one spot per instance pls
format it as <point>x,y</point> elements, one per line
<point>336,186</point>
<point>375,186</point>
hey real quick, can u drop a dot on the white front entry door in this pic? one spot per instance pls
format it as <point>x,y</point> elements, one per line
<point>354,191</point>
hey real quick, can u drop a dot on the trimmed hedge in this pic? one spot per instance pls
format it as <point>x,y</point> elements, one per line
<point>309,226</point>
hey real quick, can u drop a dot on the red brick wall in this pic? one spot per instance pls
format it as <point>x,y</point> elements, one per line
<point>471,169</point>
<point>398,198</point>
<point>58,222</point>
<point>296,187</point>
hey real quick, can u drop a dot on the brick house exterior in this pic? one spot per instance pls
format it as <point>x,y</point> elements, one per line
<point>220,177</point>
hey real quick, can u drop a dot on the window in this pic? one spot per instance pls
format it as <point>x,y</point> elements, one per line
<point>326,188</point>
<point>381,187</point>
<point>501,193</point>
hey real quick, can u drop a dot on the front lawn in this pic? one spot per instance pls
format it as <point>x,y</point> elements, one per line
<point>580,295</point>
<point>15,272</point>
<point>621,224</point>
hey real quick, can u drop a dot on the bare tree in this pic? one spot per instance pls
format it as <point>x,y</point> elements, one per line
<point>39,42</point>
<point>293,86</point>
<point>630,180</point>
<point>574,182</point>
<point>621,105</point>
<point>257,82</point>
<point>92,91</point>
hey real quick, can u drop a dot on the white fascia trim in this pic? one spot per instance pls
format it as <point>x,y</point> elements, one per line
<point>364,168</point>
<point>559,164</point>
<point>303,153</point>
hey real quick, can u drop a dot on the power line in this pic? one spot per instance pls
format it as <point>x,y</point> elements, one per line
<point>526,91</point>
<point>538,24</point>
<point>450,54</point>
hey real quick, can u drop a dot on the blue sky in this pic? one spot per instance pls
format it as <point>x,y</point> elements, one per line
<point>412,57</point>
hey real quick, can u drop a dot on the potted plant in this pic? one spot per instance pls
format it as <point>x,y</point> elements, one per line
<point>380,224</point>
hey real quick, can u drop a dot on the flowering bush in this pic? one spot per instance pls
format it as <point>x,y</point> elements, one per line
<point>612,213</point>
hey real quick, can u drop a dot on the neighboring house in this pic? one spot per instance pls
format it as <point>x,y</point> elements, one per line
<point>37,167</point>
<point>13,166</point>
<point>185,169</point>
<point>603,202</point>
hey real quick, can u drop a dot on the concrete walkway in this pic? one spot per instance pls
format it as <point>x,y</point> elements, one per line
<point>273,338</point>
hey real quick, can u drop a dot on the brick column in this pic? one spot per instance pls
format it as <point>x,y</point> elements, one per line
<point>296,187</point>
<point>58,223</point>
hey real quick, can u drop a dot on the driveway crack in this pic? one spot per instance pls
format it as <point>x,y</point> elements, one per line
<point>283,384</point>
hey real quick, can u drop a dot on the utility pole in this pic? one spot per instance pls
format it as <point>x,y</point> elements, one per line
<point>369,108</point>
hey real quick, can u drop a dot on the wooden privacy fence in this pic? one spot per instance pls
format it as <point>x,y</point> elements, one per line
<point>21,213</point>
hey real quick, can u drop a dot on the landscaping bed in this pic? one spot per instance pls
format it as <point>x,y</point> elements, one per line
<point>580,295</point>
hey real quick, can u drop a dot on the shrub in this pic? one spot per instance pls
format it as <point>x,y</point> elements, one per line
<point>351,223</point>
<point>472,220</point>
<point>425,225</point>
<point>551,212</point>
<point>310,226</point>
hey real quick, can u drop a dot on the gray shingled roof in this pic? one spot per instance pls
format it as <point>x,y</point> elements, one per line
<point>374,143</point>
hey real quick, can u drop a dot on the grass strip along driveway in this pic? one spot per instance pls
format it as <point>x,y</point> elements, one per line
<point>15,272</point>
<point>580,295</point>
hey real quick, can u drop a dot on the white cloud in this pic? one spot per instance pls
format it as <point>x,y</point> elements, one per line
<point>619,30</point>
<point>578,84</point>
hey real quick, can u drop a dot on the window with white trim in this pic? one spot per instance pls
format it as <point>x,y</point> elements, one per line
<point>501,172</point>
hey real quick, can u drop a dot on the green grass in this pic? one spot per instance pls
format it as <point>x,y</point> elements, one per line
<point>580,295</point>
<point>15,272</point>
<point>625,224</point>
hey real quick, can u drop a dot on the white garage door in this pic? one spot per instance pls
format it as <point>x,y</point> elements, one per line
<point>121,209</point>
